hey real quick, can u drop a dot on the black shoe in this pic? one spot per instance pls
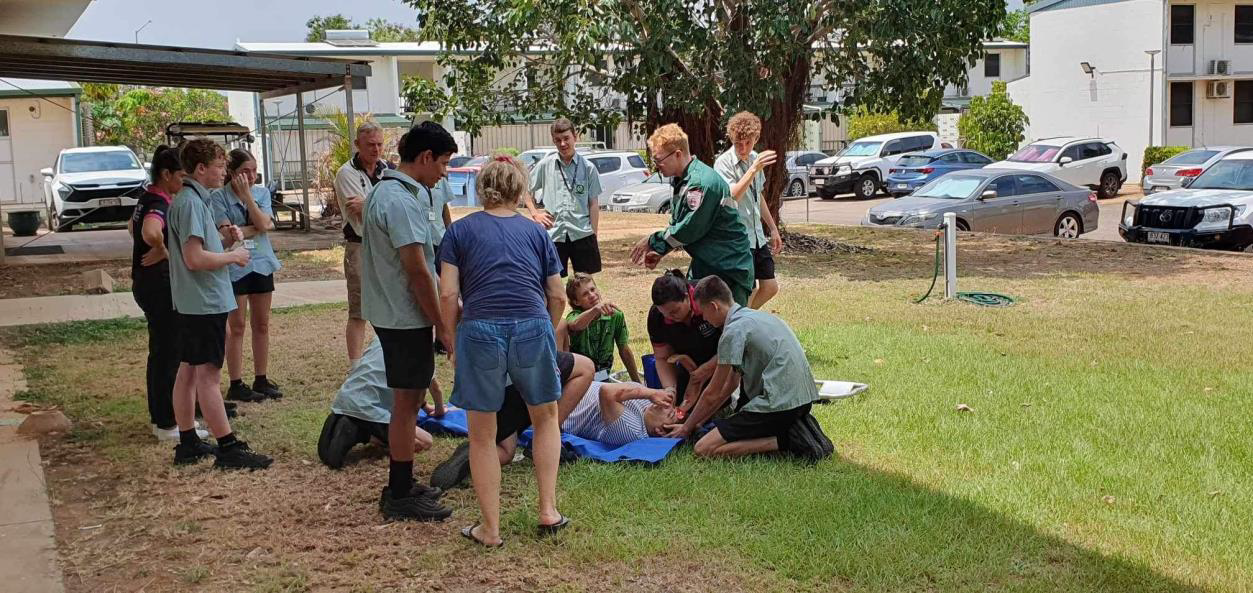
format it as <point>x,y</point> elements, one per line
<point>232,409</point>
<point>452,471</point>
<point>411,508</point>
<point>240,393</point>
<point>267,388</point>
<point>189,454</point>
<point>237,455</point>
<point>423,491</point>
<point>339,435</point>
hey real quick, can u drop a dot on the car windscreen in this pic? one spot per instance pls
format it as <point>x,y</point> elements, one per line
<point>88,162</point>
<point>1228,174</point>
<point>950,187</point>
<point>1035,153</point>
<point>863,149</point>
<point>656,178</point>
<point>458,161</point>
<point>915,160</point>
<point>1192,157</point>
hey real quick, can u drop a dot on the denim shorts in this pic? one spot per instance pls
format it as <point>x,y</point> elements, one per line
<point>488,351</point>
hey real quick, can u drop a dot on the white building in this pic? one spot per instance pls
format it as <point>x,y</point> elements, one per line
<point>38,118</point>
<point>1091,76</point>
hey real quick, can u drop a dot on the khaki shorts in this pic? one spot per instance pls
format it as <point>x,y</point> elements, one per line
<point>352,272</point>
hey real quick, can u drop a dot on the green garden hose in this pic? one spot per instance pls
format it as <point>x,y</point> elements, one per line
<point>983,299</point>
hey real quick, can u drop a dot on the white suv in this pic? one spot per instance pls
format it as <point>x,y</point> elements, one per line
<point>1213,210</point>
<point>95,184</point>
<point>862,167</point>
<point>1087,162</point>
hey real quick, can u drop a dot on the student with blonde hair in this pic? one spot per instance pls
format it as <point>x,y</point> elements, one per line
<point>501,293</point>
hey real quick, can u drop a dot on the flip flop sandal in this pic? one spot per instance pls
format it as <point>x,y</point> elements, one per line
<point>468,533</point>
<point>548,530</point>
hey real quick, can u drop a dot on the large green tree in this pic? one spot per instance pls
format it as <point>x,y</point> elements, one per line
<point>696,62</point>
<point>136,116</point>
<point>994,125</point>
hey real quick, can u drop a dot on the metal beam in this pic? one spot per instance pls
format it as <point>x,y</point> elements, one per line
<point>304,165</point>
<point>348,110</point>
<point>301,87</point>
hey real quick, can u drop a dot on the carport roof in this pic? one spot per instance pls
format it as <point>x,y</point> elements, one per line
<point>154,65</point>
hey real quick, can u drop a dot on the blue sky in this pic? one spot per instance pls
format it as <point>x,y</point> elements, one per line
<point>222,22</point>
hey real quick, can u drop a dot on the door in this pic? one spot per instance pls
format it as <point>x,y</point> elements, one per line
<point>1039,200</point>
<point>999,214</point>
<point>8,185</point>
<point>1085,166</point>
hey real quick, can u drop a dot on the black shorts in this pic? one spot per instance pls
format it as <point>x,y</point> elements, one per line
<point>408,356</point>
<point>583,255</point>
<point>513,418</point>
<point>743,426</point>
<point>253,283</point>
<point>203,338</point>
<point>763,263</point>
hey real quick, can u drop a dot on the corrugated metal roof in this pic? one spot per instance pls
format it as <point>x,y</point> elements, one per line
<point>1044,5</point>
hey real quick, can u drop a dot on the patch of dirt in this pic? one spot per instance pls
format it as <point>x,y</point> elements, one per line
<point>810,244</point>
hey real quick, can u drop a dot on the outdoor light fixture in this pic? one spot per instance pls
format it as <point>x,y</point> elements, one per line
<point>1087,68</point>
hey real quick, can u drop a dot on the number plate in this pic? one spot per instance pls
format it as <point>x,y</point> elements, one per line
<point>902,186</point>
<point>106,202</point>
<point>1154,237</point>
<point>819,181</point>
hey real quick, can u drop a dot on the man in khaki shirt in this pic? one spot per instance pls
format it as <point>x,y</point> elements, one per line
<point>353,183</point>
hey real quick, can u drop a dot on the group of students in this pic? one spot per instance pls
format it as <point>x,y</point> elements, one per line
<point>486,290</point>
<point>203,271</point>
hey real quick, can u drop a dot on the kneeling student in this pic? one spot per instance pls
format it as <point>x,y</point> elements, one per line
<point>759,353</point>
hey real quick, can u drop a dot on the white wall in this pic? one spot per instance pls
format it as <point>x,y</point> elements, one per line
<point>1114,103</point>
<point>1013,67</point>
<point>37,137</point>
<point>1214,39</point>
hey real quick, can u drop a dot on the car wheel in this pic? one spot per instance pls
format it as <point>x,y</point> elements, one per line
<point>1068,226</point>
<point>866,187</point>
<point>1109,185</point>
<point>962,226</point>
<point>664,209</point>
<point>796,189</point>
<point>61,226</point>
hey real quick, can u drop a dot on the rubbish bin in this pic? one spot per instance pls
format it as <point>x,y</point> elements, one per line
<point>24,224</point>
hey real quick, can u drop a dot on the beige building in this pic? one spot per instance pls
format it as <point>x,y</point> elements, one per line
<point>38,118</point>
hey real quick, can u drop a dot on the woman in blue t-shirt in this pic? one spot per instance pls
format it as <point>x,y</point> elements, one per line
<point>243,203</point>
<point>502,279</point>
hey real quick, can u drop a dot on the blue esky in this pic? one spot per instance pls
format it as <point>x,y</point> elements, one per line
<point>220,23</point>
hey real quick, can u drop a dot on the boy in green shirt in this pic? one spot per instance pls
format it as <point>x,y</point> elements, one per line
<point>593,327</point>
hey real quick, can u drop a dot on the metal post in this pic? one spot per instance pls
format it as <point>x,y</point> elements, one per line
<point>265,149</point>
<point>304,165</point>
<point>950,255</point>
<point>1152,68</point>
<point>348,110</point>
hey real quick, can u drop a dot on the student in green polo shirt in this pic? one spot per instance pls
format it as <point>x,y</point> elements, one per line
<point>571,191</point>
<point>703,218</point>
<point>759,354</point>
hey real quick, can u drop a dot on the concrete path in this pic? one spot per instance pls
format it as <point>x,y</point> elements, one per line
<point>54,309</point>
<point>28,554</point>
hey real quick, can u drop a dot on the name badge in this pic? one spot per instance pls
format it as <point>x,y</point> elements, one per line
<point>430,216</point>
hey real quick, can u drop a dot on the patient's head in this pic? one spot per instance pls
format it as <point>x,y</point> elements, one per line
<point>657,417</point>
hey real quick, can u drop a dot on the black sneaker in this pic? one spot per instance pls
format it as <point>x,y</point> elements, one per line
<point>423,491</point>
<point>237,455</point>
<point>189,454</point>
<point>241,393</point>
<point>232,410</point>
<point>267,388</point>
<point>411,508</point>
<point>452,471</point>
<point>339,435</point>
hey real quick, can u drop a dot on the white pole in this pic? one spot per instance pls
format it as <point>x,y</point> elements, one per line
<point>950,255</point>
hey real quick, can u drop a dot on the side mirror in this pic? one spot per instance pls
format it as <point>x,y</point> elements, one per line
<point>46,171</point>
<point>1066,160</point>
<point>989,194</point>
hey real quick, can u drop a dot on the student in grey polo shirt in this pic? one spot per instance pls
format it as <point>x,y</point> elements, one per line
<point>743,168</point>
<point>571,187</point>
<point>201,291</point>
<point>758,353</point>
<point>398,297</point>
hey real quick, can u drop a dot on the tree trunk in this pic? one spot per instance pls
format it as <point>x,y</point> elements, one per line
<point>780,129</point>
<point>702,128</point>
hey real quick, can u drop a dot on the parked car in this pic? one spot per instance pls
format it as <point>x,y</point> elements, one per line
<point>458,161</point>
<point>862,167</point>
<point>916,170</point>
<point>1171,173</point>
<point>1087,162</point>
<point>798,162</point>
<point>651,195</point>
<point>537,154</point>
<point>1215,209</point>
<point>461,181</point>
<point>92,185</point>
<point>995,201</point>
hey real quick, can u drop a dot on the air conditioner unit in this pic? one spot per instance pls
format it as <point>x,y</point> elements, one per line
<point>1220,67</point>
<point>1218,89</point>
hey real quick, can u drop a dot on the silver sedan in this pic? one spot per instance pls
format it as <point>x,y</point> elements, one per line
<point>1171,173</point>
<point>653,195</point>
<point>995,201</point>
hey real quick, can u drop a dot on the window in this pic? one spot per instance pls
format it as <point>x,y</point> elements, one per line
<point>636,161</point>
<point>1243,102</point>
<point>1073,152</point>
<point>975,158</point>
<point>951,158</point>
<point>4,123</point>
<point>894,147</point>
<point>1030,184</point>
<point>1093,150</point>
<point>992,66</point>
<point>922,143</point>
<point>607,164</point>
<point>1181,104</point>
<point>1244,24</point>
<point>1182,24</point>
<point>1003,186</point>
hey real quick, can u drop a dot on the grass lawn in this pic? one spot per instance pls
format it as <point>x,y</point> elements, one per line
<point>1108,449</point>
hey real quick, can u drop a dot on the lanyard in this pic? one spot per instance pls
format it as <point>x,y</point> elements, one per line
<point>569,185</point>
